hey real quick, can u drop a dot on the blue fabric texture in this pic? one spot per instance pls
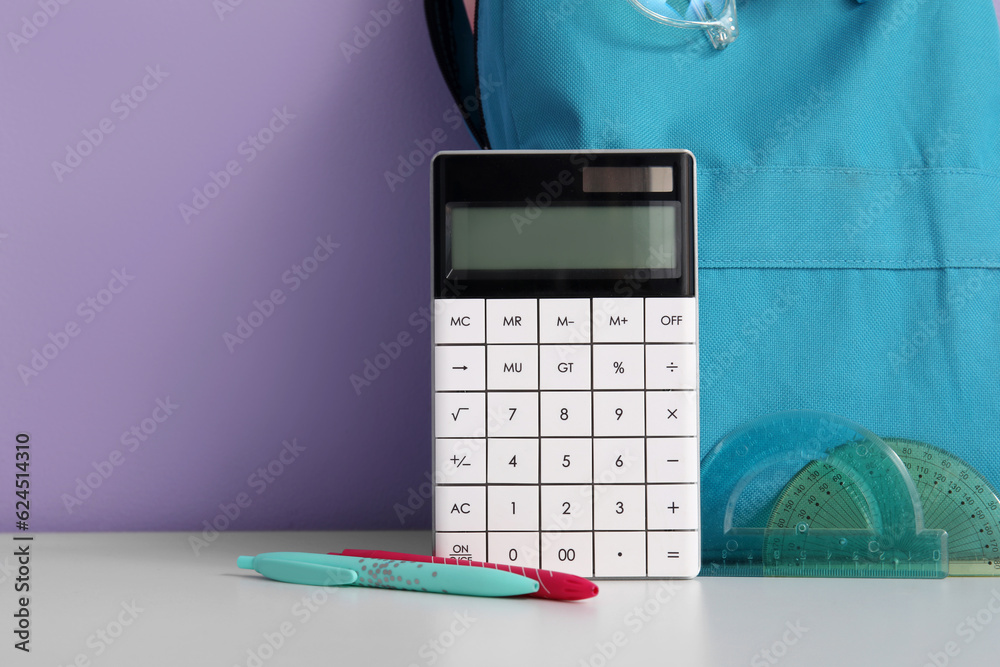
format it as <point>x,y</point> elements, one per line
<point>849,192</point>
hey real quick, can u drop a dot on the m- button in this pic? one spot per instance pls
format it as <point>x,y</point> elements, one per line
<point>671,320</point>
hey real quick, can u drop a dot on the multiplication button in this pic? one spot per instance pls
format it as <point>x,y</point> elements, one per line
<point>617,320</point>
<point>671,320</point>
<point>511,321</point>
<point>564,320</point>
<point>672,413</point>
<point>459,321</point>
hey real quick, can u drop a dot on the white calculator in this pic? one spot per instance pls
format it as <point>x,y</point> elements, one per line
<point>565,361</point>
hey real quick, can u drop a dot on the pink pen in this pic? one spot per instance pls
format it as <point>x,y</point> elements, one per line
<point>551,585</point>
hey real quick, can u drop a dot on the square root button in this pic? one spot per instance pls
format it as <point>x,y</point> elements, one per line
<point>671,320</point>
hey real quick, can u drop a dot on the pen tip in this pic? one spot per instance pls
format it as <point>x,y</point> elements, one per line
<point>245,562</point>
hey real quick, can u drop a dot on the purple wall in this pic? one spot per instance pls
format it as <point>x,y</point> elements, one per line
<point>119,284</point>
<point>65,231</point>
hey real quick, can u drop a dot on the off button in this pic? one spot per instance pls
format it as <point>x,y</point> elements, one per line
<point>671,320</point>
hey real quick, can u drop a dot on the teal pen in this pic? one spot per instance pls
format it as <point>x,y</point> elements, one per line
<point>328,570</point>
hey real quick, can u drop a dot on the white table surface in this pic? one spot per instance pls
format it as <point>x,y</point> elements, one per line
<point>202,610</point>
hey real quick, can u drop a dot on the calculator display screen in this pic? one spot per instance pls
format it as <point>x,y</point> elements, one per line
<point>509,238</point>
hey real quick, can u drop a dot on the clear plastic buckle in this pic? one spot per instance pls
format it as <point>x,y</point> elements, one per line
<point>716,17</point>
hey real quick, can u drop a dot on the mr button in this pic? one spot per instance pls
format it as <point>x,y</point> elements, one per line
<point>671,320</point>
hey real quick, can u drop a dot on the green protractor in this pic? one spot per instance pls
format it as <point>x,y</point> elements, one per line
<point>852,512</point>
<point>953,495</point>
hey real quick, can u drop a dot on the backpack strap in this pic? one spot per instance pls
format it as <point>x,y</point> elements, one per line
<point>455,49</point>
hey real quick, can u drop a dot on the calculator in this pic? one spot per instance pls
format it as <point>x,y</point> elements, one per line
<point>565,361</point>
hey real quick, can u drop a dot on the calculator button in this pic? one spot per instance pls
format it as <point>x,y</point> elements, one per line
<point>572,553</point>
<point>671,367</point>
<point>567,508</point>
<point>459,321</point>
<point>620,507</point>
<point>671,320</point>
<point>673,554</point>
<point>671,413</point>
<point>672,460</point>
<point>619,367</point>
<point>620,554</point>
<point>460,508</point>
<point>460,367</point>
<point>512,414</point>
<point>672,506</point>
<point>512,507</point>
<point>513,461</point>
<point>566,413</point>
<point>519,549</point>
<point>565,366</point>
<point>463,546</point>
<point>512,367</point>
<point>618,320</point>
<point>564,320</point>
<point>619,413</point>
<point>511,321</point>
<point>619,460</point>
<point>566,460</point>
<point>460,461</point>
<point>461,415</point>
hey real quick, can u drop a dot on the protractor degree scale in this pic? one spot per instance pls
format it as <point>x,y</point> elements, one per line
<point>954,497</point>
<point>763,461</point>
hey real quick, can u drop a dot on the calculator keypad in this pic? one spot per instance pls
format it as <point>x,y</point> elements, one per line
<point>566,434</point>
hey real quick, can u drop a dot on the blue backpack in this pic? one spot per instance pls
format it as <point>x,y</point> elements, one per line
<point>848,180</point>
